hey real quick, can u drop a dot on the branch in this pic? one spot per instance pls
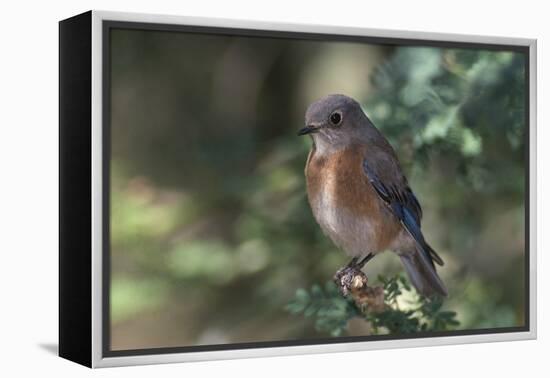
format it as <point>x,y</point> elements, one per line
<point>352,282</point>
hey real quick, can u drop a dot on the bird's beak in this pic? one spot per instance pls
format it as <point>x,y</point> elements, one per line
<point>308,130</point>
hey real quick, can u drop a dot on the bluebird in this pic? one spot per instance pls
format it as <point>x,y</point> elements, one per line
<point>359,195</point>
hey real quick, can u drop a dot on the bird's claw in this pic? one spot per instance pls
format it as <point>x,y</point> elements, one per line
<point>348,278</point>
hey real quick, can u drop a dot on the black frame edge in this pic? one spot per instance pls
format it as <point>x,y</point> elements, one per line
<point>75,209</point>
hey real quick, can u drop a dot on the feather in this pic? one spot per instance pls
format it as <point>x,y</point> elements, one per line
<point>405,206</point>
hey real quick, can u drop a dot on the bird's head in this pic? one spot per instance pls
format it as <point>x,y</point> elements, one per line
<point>335,121</point>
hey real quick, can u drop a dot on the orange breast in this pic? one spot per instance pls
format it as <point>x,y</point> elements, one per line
<point>345,204</point>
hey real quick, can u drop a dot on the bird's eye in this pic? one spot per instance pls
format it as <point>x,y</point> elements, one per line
<point>335,118</point>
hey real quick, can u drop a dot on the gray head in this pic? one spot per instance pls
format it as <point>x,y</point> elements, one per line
<point>336,121</point>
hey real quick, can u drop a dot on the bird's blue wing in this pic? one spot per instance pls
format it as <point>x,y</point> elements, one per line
<point>405,206</point>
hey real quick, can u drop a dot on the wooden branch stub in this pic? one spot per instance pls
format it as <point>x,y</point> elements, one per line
<point>352,282</point>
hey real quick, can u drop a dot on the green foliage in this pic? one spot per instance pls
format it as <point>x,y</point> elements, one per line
<point>463,107</point>
<point>332,312</point>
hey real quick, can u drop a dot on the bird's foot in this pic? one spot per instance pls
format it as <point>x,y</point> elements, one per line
<point>352,282</point>
<point>345,276</point>
<point>349,277</point>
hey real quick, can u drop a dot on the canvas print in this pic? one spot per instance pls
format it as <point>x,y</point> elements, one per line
<point>291,189</point>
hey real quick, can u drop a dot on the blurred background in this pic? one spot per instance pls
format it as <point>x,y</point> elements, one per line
<point>211,232</point>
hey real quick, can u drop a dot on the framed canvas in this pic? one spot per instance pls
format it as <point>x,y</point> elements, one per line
<point>235,189</point>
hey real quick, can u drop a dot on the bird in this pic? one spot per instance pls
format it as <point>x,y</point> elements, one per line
<point>359,195</point>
